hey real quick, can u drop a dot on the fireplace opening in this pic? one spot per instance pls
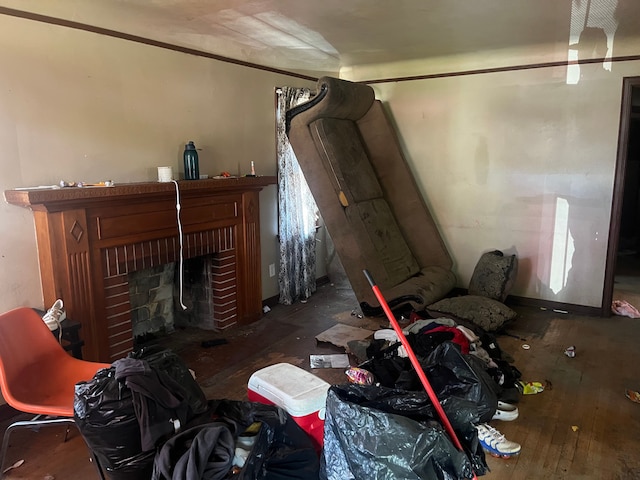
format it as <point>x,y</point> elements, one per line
<point>152,305</point>
<point>162,301</point>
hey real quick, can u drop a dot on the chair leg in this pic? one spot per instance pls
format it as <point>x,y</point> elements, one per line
<point>37,422</point>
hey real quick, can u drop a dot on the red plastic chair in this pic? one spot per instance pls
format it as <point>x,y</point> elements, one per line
<point>37,375</point>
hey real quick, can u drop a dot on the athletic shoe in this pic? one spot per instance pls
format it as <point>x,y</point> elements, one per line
<point>495,443</point>
<point>509,407</point>
<point>505,415</point>
<point>55,315</point>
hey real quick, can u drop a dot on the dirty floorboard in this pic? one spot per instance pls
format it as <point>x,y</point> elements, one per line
<point>580,427</point>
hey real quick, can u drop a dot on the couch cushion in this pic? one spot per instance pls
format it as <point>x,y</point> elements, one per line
<point>487,313</point>
<point>368,213</point>
<point>431,283</point>
<point>345,159</point>
<point>494,275</point>
<point>386,242</point>
<point>400,189</point>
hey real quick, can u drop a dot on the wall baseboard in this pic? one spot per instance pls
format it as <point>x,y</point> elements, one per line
<point>558,307</point>
<point>273,301</point>
<point>513,300</point>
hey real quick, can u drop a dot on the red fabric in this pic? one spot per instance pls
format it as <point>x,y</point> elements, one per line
<point>458,336</point>
<point>414,317</point>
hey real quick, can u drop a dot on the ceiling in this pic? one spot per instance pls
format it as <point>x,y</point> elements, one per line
<point>324,36</point>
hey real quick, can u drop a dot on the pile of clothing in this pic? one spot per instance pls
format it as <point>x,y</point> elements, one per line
<point>146,417</point>
<point>461,361</point>
<point>387,359</point>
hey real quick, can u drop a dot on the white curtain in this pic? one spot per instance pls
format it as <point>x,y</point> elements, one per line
<point>297,212</point>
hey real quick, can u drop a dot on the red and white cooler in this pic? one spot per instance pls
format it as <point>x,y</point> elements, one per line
<point>298,392</point>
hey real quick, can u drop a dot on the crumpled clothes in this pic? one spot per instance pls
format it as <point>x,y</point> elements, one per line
<point>624,308</point>
<point>204,452</point>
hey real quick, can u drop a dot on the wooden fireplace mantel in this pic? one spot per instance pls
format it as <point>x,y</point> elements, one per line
<point>90,238</point>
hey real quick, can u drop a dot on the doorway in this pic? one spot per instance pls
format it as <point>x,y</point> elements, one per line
<point>622,272</point>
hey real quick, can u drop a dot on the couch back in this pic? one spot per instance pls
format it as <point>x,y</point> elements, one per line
<point>368,198</point>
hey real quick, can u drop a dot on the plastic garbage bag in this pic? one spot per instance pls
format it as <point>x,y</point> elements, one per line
<point>453,374</point>
<point>281,451</point>
<point>450,373</point>
<point>376,433</point>
<point>106,416</point>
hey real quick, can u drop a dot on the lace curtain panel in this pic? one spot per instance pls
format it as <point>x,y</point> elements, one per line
<point>297,211</point>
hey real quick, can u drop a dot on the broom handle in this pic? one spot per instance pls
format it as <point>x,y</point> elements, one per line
<point>416,364</point>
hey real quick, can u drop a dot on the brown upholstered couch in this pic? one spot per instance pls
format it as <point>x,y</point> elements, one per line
<point>367,196</point>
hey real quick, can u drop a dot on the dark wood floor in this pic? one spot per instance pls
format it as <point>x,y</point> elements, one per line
<point>580,427</point>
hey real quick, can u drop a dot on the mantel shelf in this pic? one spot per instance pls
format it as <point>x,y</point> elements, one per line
<point>50,198</point>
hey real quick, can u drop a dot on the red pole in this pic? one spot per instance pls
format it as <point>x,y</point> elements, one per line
<point>416,364</point>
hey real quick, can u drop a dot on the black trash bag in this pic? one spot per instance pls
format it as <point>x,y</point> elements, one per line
<point>393,371</point>
<point>104,414</point>
<point>107,419</point>
<point>450,373</point>
<point>389,371</point>
<point>453,374</point>
<point>282,449</point>
<point>380,433</point>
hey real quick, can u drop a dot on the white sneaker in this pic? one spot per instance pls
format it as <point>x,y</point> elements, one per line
<point>55,315</point>
<point>505,415</point>
<point>495,442</point>
<point>506,406</point>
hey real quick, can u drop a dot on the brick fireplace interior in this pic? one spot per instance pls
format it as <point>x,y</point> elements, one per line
<point>208,268</point>
<point>202,295</point>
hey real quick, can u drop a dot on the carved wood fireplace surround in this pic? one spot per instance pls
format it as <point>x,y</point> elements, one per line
<point>90,239</point>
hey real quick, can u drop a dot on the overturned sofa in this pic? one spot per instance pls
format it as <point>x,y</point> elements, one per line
<point>374,212</point>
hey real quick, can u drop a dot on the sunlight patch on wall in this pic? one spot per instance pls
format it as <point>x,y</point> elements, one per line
<point>593,26</point>
<point>276,31</point>
<point>562,248</point>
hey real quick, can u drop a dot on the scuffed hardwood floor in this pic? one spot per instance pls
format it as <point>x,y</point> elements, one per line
<point>580,427</point>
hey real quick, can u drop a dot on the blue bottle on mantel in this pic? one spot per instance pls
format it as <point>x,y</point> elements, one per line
<point>191,167</point>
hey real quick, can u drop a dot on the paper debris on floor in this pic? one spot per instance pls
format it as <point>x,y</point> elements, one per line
<point>336,360</point>
<point>340,335</point>
<point>633,395</point>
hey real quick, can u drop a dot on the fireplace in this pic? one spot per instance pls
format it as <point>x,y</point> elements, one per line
<point>91,238</point>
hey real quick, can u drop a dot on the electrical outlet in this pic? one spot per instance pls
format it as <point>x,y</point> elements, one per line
<point>272,270</point>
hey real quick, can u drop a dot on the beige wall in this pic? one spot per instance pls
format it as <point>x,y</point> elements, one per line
<point>522,162</point>
<point>77,106</point>
<point>516,161</point>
